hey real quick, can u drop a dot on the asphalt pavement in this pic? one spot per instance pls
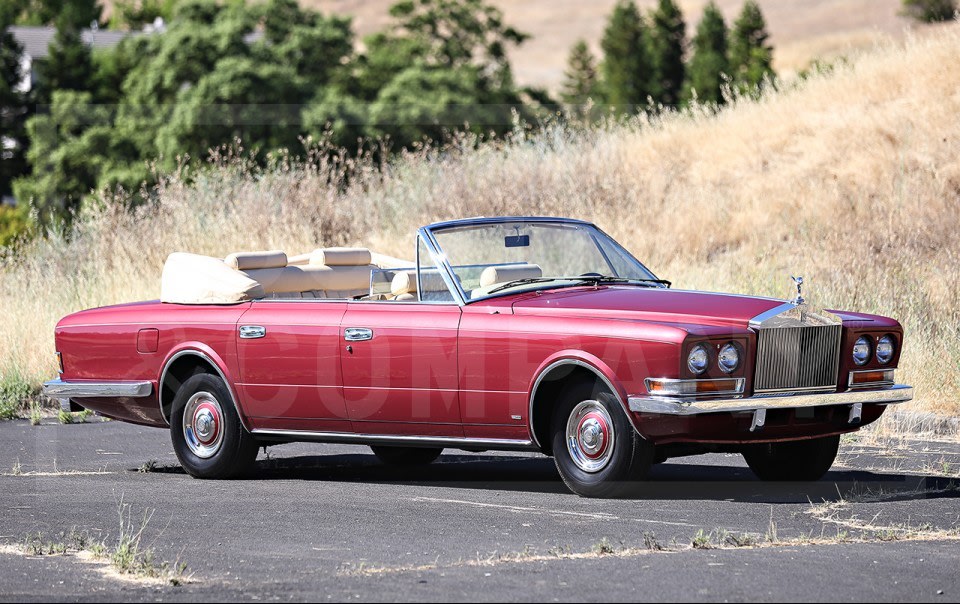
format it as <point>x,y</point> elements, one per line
<point>328,522</point>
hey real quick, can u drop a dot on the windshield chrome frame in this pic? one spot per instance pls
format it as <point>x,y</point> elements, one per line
<point>427,233</point>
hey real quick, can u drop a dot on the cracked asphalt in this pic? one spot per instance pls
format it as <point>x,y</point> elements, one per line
<point>328,522</point>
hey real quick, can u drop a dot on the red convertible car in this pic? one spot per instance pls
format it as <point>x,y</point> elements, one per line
<point>539,334</point>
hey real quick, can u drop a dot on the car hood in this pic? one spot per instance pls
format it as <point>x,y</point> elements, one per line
<point>647,304</point>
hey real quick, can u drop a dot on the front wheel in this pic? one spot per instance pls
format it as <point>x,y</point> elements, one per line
<point>208,437</point>
<point>595,447</point>
<point>805,460</point>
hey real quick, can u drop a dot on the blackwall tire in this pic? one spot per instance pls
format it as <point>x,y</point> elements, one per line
<point>207,435</point>
<point>596,449</point>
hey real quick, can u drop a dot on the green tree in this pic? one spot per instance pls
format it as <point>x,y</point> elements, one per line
<point>667,41</point>
<point>69,64</point>
<point>46,12</point>
<point>135,14</point>
<point>580,83</point>
<point>751,57</point>
<point>460,32</point>
<point>627,68</point>
<point>708,70</point>
<point>70,148</point>
<point>930,11</point>
<point>14,105</point>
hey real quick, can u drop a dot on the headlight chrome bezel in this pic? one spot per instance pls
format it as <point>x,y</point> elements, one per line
<point>891,341</point>
<point>867,342</point>
<point>738,356</point>
<point>699,348</point>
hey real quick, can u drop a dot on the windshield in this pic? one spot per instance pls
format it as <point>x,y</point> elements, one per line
<point>500,258</point>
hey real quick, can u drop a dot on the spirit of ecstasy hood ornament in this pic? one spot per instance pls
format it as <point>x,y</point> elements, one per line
<point>799,283</point>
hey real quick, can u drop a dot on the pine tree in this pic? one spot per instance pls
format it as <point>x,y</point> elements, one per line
<point>69,65</point>
<point>580,85</point>
<point>627,71</point>
<point>708,68</point>
<point>14,107</point>
<point>667,47</point>
<point>751,58</point>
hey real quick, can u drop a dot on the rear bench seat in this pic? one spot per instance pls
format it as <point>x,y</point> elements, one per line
<point>334,273</point>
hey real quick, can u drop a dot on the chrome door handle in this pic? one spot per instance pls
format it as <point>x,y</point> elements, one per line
<point>252,332</point>
<point>357,334</point>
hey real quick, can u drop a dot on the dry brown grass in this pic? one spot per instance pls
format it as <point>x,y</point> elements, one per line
<point>852,180</point>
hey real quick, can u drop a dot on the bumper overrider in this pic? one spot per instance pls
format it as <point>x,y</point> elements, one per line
<point>680,404</point>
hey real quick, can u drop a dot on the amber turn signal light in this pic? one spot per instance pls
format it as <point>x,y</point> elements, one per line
<point>673,387</point>
<point>876,377</point>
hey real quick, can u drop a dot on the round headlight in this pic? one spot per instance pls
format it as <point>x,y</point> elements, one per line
<point>698,359</point>
<point>885,348</point>
<point>861,350</point>
<point>729,358</point>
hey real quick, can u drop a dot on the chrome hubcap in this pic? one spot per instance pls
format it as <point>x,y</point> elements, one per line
<point>590,436</point>
<point>203,425</point>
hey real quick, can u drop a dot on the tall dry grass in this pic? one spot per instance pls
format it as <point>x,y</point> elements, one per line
<point>852,180</point>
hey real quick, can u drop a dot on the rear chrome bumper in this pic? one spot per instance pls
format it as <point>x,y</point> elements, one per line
<point>898,393</point>
<point>67,390</point>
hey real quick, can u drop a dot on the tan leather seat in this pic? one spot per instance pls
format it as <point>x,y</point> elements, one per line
<point>243,261</point>
<point>404,286</point>
<point>334,273</point>
<point>317,281</point>
<point>494,276</point>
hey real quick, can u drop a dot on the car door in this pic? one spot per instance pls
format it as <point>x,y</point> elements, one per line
<point>288,352</point>
<point>399,363</point>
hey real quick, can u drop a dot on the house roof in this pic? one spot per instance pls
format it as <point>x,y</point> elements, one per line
<point>36,40</point>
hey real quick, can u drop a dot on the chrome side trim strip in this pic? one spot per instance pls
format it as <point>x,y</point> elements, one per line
<point>665,406</point>
<point>391,439</point>
<point>63,389</point>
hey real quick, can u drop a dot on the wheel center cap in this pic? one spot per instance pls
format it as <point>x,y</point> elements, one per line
<point>204,424</point>
<point>591,434</point>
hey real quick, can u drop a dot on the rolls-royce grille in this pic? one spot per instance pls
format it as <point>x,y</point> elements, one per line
<point>797,358</point>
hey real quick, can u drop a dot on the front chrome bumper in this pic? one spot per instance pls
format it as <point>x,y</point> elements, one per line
<point>898,393</point>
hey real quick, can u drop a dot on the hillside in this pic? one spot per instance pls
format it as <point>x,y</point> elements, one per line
<point>852,179</point>
<point>800,31</point>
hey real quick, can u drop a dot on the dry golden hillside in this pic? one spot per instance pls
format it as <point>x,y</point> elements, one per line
<point>801,31</point>
<point>851,179</point>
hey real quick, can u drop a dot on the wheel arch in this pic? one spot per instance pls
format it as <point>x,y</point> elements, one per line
<point>558,370</point>
<point>186,362</point>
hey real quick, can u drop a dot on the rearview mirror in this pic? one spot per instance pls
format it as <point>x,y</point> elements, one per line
<point>517,241</point>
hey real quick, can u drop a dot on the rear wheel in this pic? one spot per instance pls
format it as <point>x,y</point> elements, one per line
<point>595,447</point>
<point>406,456</point>
<point>805,460</point>
<point>208,437</point>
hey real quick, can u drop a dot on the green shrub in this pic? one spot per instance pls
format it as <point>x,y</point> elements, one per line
<point>15,395</point>
<point>930,11</point>
<point>15,224</point>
